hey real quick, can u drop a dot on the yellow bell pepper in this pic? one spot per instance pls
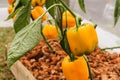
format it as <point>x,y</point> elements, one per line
<point>10,9</point>
<point>70,19</point>
<point>37,12</point>
<point>10,2</point>
<point>33,2</point>
<point>50,31</point>
<point>75,70</point>
<point>82,39</point>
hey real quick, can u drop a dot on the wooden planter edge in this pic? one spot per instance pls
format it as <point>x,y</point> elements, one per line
<point>21,72</point>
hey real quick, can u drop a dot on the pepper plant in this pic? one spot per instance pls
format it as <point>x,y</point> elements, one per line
<point>29,33</point>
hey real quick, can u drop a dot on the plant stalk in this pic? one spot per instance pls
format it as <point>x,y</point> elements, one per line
<point>72,57</point>
<point>77,22</point>
<point>48,10</point>
<point>39,19</point>
<point>47,41</point>
<point>63,3</point>
<point>76,17</point>
<point>90,73</point>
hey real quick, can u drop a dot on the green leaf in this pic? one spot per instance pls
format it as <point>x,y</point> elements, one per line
<point>24,2</point>
<point>18,5</point>
<point>59,19</point>
<point>22,18</point>
<point>116,11</point>
<point>82,5</point>
<point>49,3</point>
<point>65,45</point>
<point>25,40</point>
<point>13,13</point>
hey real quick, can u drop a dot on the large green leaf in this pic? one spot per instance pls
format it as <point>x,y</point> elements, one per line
<point>117,11</point>
<point>25,40</point>
<point>82,5</point>
<point>22,18</point>
<point>24,2</point>
<point>17,6</point>
<point>64,43</point>
<point>49,3</point>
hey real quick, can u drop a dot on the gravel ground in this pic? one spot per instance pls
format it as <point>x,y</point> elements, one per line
<point>44,64</point>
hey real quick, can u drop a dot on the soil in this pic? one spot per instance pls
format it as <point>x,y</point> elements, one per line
<point>45,64</point>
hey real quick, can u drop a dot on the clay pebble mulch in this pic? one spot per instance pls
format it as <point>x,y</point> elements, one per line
<point>46,65</point>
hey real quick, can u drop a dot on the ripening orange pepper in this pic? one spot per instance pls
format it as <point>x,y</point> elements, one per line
<point>37,12</point>
<point>40,2</point>
<point>82,40</point>
<point>70,19</point>
<point>75,70</point>
<point>50,31</point>
<point>10,9</point>
<point>10,1</point>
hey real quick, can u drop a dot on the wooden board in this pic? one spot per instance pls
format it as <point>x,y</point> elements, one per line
<point>21,72</point>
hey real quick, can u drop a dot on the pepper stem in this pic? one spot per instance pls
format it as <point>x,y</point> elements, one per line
<point>78,22</point>
<point>72,57</point>
<point>90,73</point>
<point>39,19</point>
<point>95,26</point>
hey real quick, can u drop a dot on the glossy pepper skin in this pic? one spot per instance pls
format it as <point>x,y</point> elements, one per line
<point>37,12</point>
<point>50,31</point>
<point>33,2</point>
<point>70,19</point>
<point>82,39</point>
<point>10,1</point>
<point>75,70</point>
<point>38,2</point>
<point>10,9</point>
